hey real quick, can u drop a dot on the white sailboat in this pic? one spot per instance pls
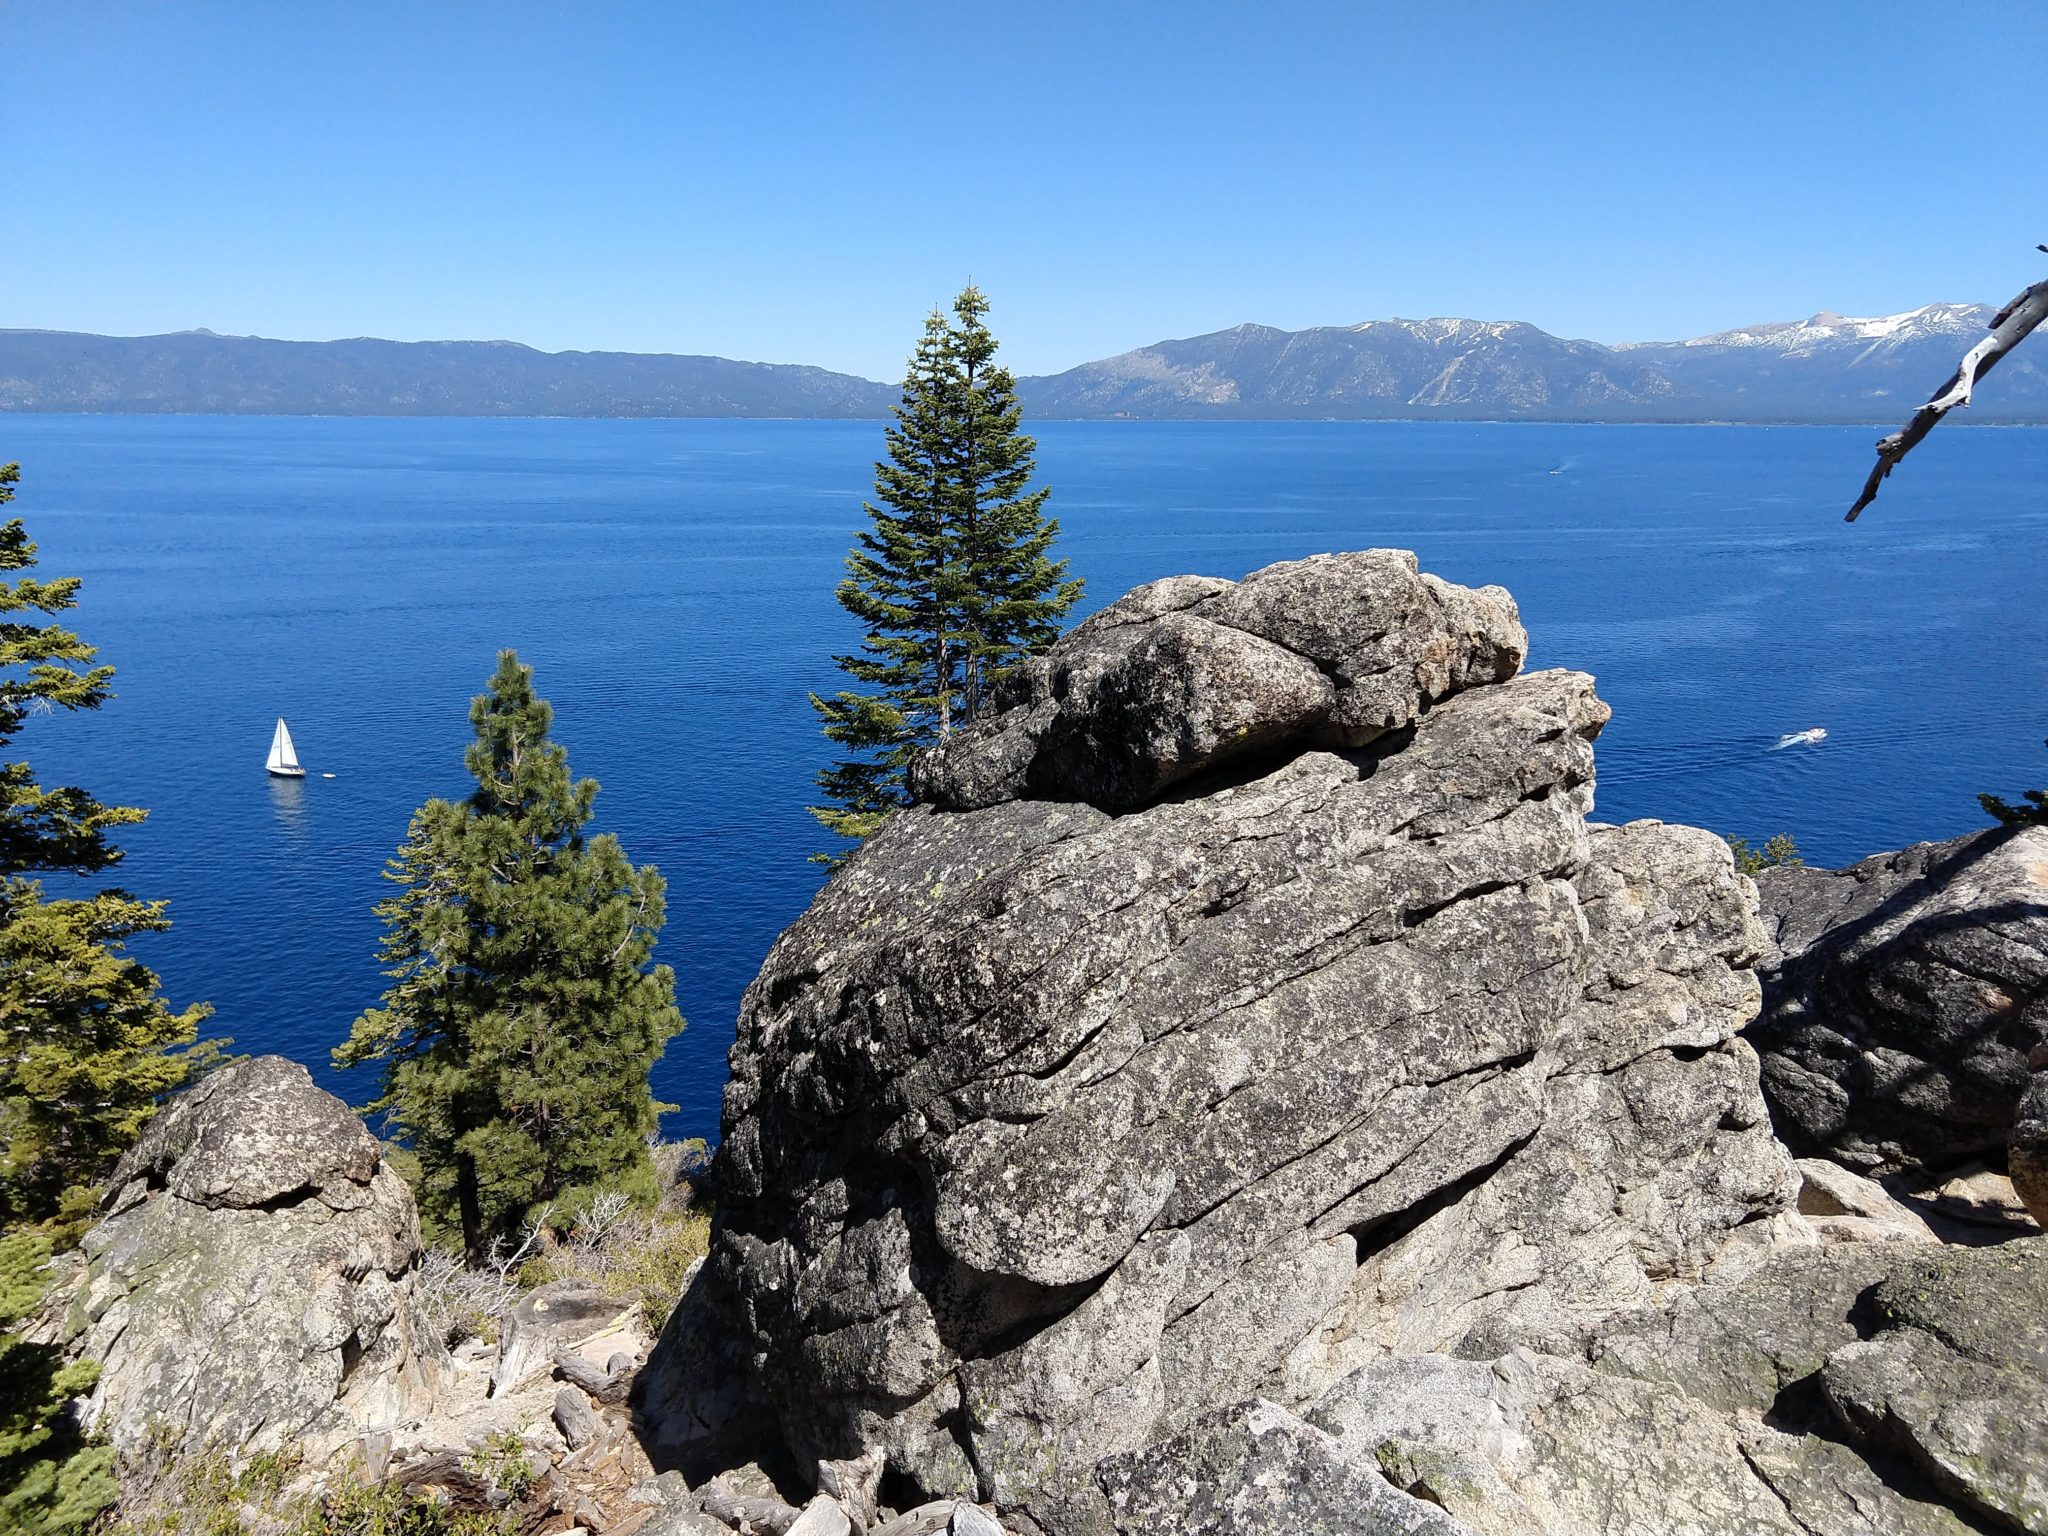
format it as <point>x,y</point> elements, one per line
<point>284,762</point>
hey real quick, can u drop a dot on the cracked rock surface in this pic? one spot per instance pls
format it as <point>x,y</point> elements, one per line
<point>1252,1001</point>
<point>250,1286</point>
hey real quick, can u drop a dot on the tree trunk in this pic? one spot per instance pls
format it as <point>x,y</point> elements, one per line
<point>471,1206</point>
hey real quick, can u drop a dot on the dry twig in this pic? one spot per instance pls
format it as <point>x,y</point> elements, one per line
<point>2009,327</point>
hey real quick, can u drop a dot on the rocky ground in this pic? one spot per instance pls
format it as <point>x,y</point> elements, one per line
<point>1247,1094</point>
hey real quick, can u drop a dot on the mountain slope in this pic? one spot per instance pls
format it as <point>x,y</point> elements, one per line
<point>1825,368</point>
<point>1834,365</point>
<point>197,371</point>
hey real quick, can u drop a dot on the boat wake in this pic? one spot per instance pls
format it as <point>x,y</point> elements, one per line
<point>1805,738</point>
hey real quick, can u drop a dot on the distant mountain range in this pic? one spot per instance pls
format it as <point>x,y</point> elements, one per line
<point>1828,368</point>
<point>201,373</point>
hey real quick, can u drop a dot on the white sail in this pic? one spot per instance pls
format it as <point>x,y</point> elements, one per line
<point>282,758</point>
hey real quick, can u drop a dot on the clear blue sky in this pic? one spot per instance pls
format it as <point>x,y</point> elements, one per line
<point>800,182</point>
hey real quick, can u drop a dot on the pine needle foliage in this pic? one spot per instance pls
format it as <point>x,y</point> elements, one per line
<point>903,584</point>
<point>524,1012</point>
<point>2034,813</point>
<point>953,580</point>
<point>1014,595</point>
<point>52,1481</point>
<point>88,1046</point>
<point>1777,850</point>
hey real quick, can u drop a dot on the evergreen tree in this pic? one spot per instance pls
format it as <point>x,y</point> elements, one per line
<point>903,583</point>
<point>2032,814</point>
<point>1015,594</point>
<point>523,1014</point>
<point>87,1044</point>
<point>953,580</point>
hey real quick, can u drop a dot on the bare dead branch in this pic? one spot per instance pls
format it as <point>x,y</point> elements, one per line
<point>2009,327</point>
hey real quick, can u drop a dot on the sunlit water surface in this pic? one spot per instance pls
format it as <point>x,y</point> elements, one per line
<point>672,582</point>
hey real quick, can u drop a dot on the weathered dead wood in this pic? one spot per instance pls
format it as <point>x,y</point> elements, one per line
<point>608,1387</point>
<point>576,1419</point>
<point>2009,327</point>
<point>445,1470</point>
<point>770,1516</point>
<point>856,1483</point>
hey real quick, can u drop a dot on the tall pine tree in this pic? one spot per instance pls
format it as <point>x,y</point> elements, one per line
<point>88,1045</point>
<point>1015,594</point>
<point>523,1014</point>
<point>953,580</point>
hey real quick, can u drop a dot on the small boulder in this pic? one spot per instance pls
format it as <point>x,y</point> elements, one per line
<point>1955,1377</point>
<point>821,1517</point>
<point>252,1285</point>
<point>1846,1207</point>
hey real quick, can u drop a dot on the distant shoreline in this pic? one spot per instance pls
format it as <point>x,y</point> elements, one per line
<point>1824,371</point>
<point>1888,422</point>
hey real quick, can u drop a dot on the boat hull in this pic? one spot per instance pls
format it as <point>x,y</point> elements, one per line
<point>287,773</point>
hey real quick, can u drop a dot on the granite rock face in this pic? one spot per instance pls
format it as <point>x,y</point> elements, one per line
<point>1954,1378</point>
<point>1911,989</point>
<point>1879,1389</point>
<point>1192,672</point>
<point>2027,1156</point>
<point>250,1286</point>
<point>1257,1470</point>
<point>1220,1029</point>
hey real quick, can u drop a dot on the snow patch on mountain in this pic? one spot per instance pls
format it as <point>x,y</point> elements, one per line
<point>1830,329</point>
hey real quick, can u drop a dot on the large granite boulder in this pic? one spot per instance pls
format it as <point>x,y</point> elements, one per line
<point>1911,988</point>
<point>250,1285</point>
<point>1164,1065</point>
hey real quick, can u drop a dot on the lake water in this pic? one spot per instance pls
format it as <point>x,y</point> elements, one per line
<point>671,581</point>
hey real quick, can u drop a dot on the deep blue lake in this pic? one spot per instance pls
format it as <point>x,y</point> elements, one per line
<point>671,582</point>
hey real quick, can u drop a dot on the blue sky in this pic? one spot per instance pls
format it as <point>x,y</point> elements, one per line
<point>801,182</point>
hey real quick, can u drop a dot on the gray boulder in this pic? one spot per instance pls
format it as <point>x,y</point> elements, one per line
<point>1060,1122</point>
<point>1706,1410</point>
<point>1912,986</point>
<point>1190,673</point>
<point>250,1286</point>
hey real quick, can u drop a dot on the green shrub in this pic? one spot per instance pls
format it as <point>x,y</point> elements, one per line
<point>385,1509</point>
<point>641,1255</point>
<point>205,1496</point>
<point>1778,850</point>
